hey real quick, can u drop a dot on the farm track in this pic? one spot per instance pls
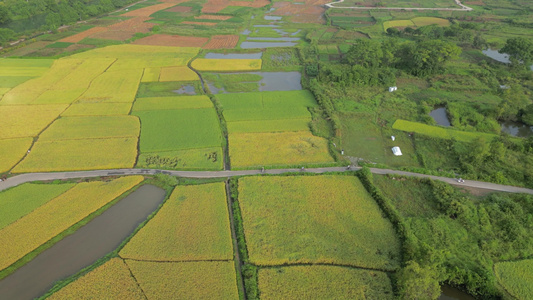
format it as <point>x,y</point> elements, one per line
<point>29,177</point>
<point>458,2</point>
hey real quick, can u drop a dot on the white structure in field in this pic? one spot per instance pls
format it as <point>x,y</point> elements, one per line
<point>393,138</point>
<point>393,88</point>
<point>396,151</point>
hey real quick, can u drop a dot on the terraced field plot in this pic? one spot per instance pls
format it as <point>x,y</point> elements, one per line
<point>516,277</point>
<point>169,103</point>
<point>118,86</point>
<point>316,219</point>
<point>16,71</point>
<point>177,74</point>
<point>55,216</point>
<point>323,282</point>
<point>192,225</point>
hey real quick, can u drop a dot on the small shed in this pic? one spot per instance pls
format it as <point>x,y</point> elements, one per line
<point>396,151</point>
<point>393,138</point>
<point>393,88</point>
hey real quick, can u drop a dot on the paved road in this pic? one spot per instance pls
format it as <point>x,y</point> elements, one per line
<point>458,2</point>
<point>19,179</point>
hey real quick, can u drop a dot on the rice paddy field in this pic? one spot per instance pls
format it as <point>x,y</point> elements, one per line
<point>323,282</point>
<point>440,132</point>
<point>54,216</point>
<point>315,219</point>
<point>12,151</point>
<point>516,277</point>
<point>192,225</point>
<point>226,65</point>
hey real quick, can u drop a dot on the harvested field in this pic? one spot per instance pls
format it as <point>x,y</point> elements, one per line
<point>228,65</point>
<point>80,36</point>
<point>199,23</point>
<point>179,9</point>
<point>214,6</point>
<point>147,11</point>
<point>222,42</point>
<point>188,159</point>
<point>82,154</point>
<point>111,280</point>
<point>134,25</point>
<point>193,224</point>
<point>49,220</point>
<point>213,17</point>
<point>172,40</point>
<point>274,149</point>
<point>177,74</point>
<point>12,151</point>
<point>311,11</point>
<point>287,221</point>
<point>323,282</point>
<point>186,280</point>
<point>27,120</point>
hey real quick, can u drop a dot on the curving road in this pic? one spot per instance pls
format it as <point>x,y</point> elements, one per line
<point>28,177</point>
<point>458,2</point>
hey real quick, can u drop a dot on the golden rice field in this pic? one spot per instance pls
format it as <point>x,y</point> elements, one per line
<point>186,280</point>
<point>130,51</point>
<point>397,23</point>
<point>151,75</point>
<point>192,225</point>
<point>27,121</point>
<point>28,91</point>
<point>18,201</point>
<point>279,148</point>
<point>3,91</point>
<point>12,151</point>
<point>97,109</point>
<point>111,280</point>
<point>57,215</point>
<point>176,102</point>
<point>58,96</point>
<point>323,282</point>
<point>177,74</point>
<point>221,65</point>
<point>315,219</point>
<point>516,277</point>
<point>124,64</point>
<point>118,86</point>
<point>91,127</point>
<point>424,21</point>
<point>82,154</point>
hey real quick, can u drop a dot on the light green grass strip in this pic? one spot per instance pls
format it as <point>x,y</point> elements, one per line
<point>440,132</point>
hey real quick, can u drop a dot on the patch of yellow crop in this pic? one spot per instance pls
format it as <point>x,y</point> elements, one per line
<point>55,216</point>
<point>27,120</point>
<point>111,280</point>
<point>192,225</point>
<point>83,154</point>
<point>97,109</point>
<point>205,64</point>
<point>28,91</point>
<point>113,87</point>
<point>12,151</point>
<point>151,75</point>
<point>141,63</point>
<point>424,21</point>
<point>177,74</point>
<point>397,23</point>
<point>91,127</point>
<point>323,282</point>
<point>58,96</point>
<point>315,219</point>
<point>279,148</point>
<point>3,91</point>
<point>186,280</point>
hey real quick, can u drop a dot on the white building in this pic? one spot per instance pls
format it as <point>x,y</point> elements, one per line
<point>396,151</point>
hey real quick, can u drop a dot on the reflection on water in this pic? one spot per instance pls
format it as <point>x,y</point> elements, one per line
<point>451,293</point>
<point>501,57</point>
<point>186,89</point>
<point>280,39</point>
<point>517,129</point>
<point>439,115</point>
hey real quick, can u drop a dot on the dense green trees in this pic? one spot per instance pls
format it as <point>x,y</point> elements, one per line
<point>520,50</point>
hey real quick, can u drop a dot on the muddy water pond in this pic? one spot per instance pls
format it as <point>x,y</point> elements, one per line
<point>440,116</point>
<point>234,55</point>
<point>451,293</point>
<point>517,129</point>
<point>501,57</point>
<point>81,249</point>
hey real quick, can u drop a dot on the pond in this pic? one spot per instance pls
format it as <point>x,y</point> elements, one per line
<point>234,55</point>
<point>261,45</point>
<point>451,293</point>
<point>280,39</point>
<point>91,242</point>
<point>517,129</point>
<point>186,90</point>
<point>440,116</point>
<point>501,57</point>
<point>272,18</point>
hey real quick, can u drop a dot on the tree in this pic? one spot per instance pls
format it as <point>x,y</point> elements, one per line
<point>428,57</point>
<point>6,35</point>
<point>4,14</point>
<point>366,53</point>
<point>527,115</point>
<point>519,49</point>
<point>418,282</point>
